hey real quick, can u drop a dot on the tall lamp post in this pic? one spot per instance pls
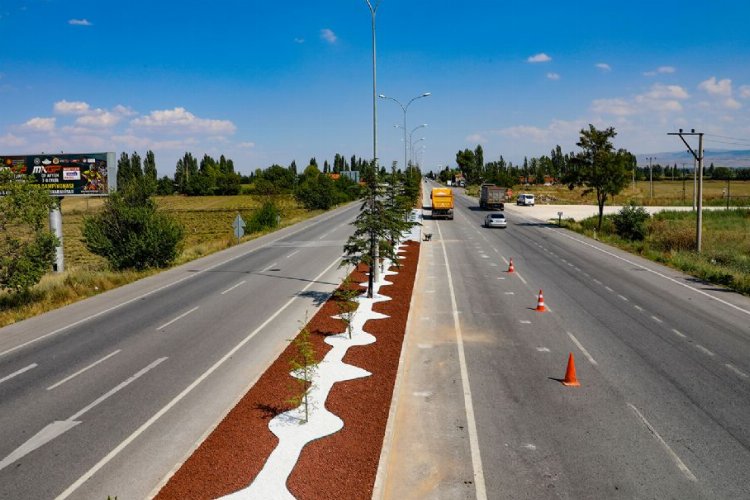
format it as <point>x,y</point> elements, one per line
<point>411,148</point>
<point>651,176</point>
<point>374,275</point>
<point>405,108</point>
<point>411,144</point>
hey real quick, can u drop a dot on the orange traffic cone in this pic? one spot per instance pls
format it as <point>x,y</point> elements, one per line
<point>510,266</point>
<point>540,303</point>
<point>570,373</point>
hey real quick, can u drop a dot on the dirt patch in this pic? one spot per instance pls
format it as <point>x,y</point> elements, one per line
<point>342,465</point>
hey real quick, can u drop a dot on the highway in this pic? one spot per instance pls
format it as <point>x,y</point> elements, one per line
<point>109,395</point>
<point>663,410</point>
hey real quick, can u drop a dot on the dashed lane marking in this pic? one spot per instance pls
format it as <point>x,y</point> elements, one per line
<point>583,349</point>
<point>736,370</point>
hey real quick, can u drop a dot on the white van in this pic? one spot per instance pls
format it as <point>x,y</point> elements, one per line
<point>526,200</point>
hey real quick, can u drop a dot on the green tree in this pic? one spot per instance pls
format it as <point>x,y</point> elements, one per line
<point>124,174</point>
<point>598,167</point>
<point>27,248</point>
<point>187,167</point>
<point>149,173</point>
<point>131,234</point>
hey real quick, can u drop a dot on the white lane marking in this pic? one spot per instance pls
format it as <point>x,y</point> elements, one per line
<point>270,267</point>
<point>425,346</point>
<point>164,287</point>
<point>525,322</point>
<point>623,297</point>
<point>66,379</point>
<point>657,273</point>
<point>510,293</point>
<point>543,349</point>
<point>608,289</point>
<point>422,394</point>
<point>501,277</point>
<point>678,333</point>
<point>116,389</point>
<point>233,287</point>
<point>658,320</point>
<point>59,427</point>
<point>324,235</point>
<point>16,373</point>
<point>570,264</point>
<point>736,370</point>
<point>177,318</point>
<point>639,308</point>
<point>680,464</point>
<point>476,459</point>
<point>597,281</point>
<point>143,428</point>
<point>530,446</point>
<point>583,349</point>
<point>292,254</point>
<point>578,269</point>
<point>704,350</point>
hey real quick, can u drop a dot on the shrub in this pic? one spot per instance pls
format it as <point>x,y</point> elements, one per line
<point>267,217</point>
<point>671,235</point>
<point>133,235</point>
<point>630,222</point>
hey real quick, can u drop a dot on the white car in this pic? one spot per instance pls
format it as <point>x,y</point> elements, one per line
<point>495,219</point>
<point>525,199</point>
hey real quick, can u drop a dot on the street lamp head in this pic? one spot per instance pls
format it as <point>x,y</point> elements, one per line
<point>426,94</point>
<point>382,96</point>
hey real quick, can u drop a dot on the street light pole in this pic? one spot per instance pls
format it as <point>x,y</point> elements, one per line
<point>411,144</point>
<point>374,275</point>
<point>405,108</point>
<point>651,177</point>
<point>411,148</point>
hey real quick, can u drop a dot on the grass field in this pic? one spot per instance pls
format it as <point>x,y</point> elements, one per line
<point>208,228</point>
<point>666,193</point>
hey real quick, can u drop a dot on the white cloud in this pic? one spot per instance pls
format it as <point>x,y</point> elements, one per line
<point>80,22</point>
<point>299,40</point>
<point>328,35</point>
<point>745,91</point>
<point>617,107</point>
<point>476,139</point>
<point>40,124</point>
<point>553,76</point>
<point>99,119</point>
<point>124,110</point>
<point>539,58</point>
<point>732,103</point>
<point>10,140</point>
<point>246,145</point>
<point>179,120</point>
<point>659,91</point>
<point>71,107</point>
<point>556,131</point>
<point>661,70</point>
<point>718,88</point>
<point>603,66</point>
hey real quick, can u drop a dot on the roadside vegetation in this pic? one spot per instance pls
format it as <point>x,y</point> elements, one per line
<point>669,238</point>
<point>190,219</point>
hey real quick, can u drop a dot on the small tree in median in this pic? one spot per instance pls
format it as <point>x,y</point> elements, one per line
<point>303,365</point>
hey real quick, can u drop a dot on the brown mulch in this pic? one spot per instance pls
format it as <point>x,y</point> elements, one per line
<point>342,465</point>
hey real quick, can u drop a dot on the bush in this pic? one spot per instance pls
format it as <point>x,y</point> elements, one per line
<point>630,222</point>
<point>267,217</point>
<point>674,235</point>
<point>133,236</point>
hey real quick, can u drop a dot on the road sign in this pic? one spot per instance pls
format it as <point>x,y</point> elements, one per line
<point>239,227</point>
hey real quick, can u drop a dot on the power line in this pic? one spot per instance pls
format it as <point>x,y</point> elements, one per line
<point>714,141</point>
<point>727,137</point>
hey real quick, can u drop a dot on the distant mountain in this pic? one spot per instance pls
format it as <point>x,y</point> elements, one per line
<point>734,158</point>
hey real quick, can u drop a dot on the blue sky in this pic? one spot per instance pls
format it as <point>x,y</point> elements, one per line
<point>271,82</point>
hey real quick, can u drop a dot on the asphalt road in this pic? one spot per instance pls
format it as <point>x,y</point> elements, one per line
<point>109,395</point>
<point>663,410</point>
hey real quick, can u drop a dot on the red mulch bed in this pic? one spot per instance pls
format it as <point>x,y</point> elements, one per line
<point>342,465</point>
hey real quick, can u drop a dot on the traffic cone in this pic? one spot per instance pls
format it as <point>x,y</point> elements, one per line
<point>540,303</point>
<point>570,373</point>
<point>511,269</point>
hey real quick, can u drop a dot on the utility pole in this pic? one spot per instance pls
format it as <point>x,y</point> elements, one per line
<point>374,275</point>
<point>651,177</point>
<point>699,159</point>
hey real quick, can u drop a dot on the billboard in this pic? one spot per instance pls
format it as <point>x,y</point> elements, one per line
<point>86,174</point>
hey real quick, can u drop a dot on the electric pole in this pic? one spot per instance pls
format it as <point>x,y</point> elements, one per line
<point>699,158</point>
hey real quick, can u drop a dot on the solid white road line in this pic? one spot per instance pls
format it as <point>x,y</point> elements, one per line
<point>657,273</point>
<point>22,370</point>
<point>177,318</point>
<point>704,350</point>
<point>582,349</point>
<point>678,333</point>
<point>83,370</point>
<point>476,459</point>
<point>680,464</point>
<point>143,428</point>
<point>233,287</point>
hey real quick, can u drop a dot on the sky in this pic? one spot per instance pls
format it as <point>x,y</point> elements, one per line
<point>266,82</point>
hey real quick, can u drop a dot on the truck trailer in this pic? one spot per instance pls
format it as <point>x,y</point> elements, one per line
<point>442,203</point>
<point>492,197</point>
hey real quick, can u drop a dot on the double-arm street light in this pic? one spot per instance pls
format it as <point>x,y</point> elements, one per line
<point>411,148</point>
<point>374,274</point>
<point>405,108</point>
